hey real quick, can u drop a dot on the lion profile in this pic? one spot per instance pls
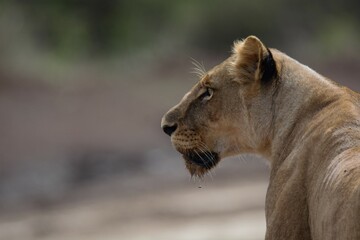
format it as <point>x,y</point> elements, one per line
<point>261,101</point>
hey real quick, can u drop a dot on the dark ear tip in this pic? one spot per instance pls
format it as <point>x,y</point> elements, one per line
<point>268,66</point>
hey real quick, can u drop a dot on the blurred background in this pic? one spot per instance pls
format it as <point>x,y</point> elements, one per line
<point>83,86</point>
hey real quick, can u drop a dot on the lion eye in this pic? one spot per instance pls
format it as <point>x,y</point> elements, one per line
<point>207,94</point>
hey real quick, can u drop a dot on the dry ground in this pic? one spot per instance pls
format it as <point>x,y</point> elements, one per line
<point>218,210</point>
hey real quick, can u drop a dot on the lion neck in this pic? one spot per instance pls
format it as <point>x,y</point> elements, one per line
<point>300,93</point>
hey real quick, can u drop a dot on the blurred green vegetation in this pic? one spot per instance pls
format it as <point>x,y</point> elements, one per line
<point>59,42</point>
<point>103,27</point>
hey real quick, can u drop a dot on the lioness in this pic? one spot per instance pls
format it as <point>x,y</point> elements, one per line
<point>261,101</point>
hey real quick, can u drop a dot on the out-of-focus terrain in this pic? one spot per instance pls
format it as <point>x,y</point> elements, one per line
<point>97,166</point>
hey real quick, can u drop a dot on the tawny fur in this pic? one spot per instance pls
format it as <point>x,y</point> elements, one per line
<point>307,127</point>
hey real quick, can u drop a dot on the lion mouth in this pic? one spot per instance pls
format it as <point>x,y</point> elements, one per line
<point>204,159</point>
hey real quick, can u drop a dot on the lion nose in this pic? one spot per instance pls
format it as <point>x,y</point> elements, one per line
<point>169,129</point>
<point>169,122</point>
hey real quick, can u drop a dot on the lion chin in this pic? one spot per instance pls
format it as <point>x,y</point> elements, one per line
<point>199,163</point>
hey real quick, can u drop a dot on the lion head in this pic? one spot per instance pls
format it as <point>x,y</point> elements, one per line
<point>212,121</point>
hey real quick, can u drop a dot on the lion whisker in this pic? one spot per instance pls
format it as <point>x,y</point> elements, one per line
<point>206,165</point>
<point>241,157</point>
<point>207,151</point>
<point>201,158</point>
<point>211,159</point>
<point>198,69</point>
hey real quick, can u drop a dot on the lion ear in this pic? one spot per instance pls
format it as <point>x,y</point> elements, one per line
<point>252,60</point>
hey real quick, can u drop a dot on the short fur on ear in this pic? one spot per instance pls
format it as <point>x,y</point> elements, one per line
<point>252,60</point>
